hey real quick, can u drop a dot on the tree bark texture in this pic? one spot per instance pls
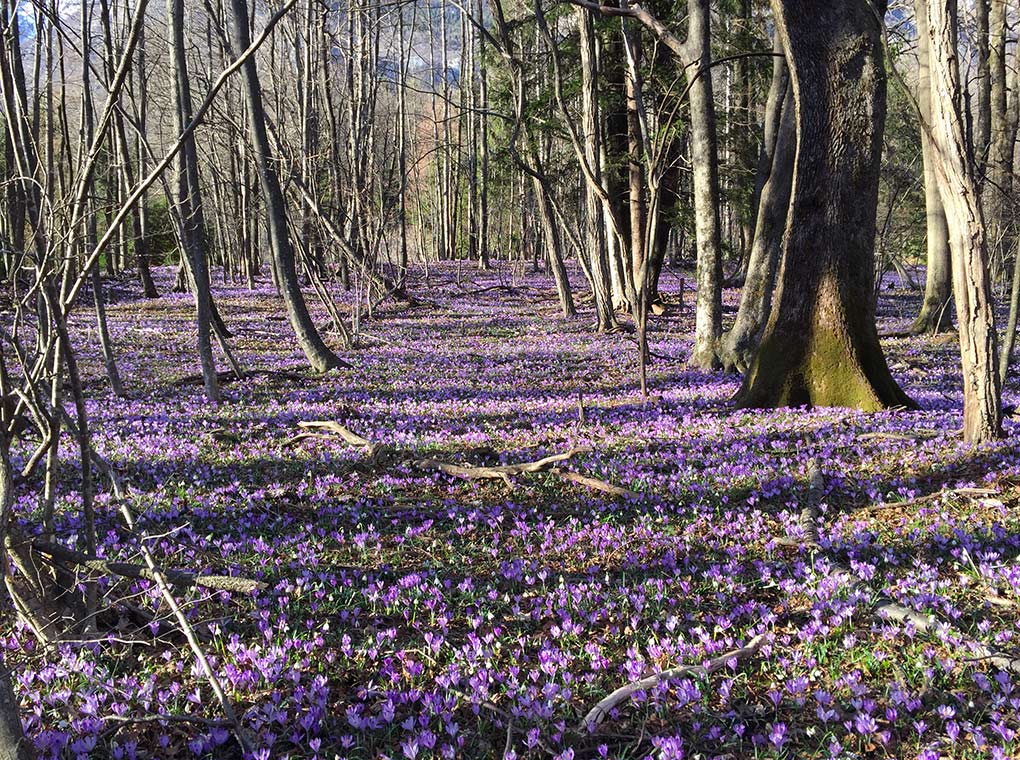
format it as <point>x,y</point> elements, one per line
<point>820,346</point>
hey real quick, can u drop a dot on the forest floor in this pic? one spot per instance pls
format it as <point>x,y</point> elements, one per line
<point>410,613</point>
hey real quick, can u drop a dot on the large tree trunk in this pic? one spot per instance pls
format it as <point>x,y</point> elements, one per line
<point>982,413</point>
<point>708,313</point>
<point>820,346</point>
<point>741,341</point>
<point>315,350</point>
<point>935,313</point>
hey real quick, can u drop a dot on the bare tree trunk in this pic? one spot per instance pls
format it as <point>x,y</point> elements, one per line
<point>1009,336</point>
<point>126,174</point>
<point>316,351</point>
<point>741,341</point>
<point>779,92</point>
<point>13,744</point>
<point>983,107</point>
<point>935,315</point>
<point>483,143</point>
<point>402,127</point>
<point>996,188</point>
<point>820,346</point>
<point>87,134</point>
<point>598,254</point>
<point>708,313</point>
<point>982,413</point>
<point>194,259</point>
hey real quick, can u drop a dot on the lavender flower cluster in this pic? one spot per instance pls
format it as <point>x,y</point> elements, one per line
<point>409,614</point>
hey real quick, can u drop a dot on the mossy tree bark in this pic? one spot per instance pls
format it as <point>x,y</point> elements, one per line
<point>972,286</point>
<point>820,346</point>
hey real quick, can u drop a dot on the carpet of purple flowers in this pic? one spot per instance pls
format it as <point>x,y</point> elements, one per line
<point>409,614</point>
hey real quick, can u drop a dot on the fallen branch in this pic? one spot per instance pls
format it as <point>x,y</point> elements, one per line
<point>497,472</point>
<point>598,713</point>
<point>504,472</point>
<point>594,483</point>
<point>335,428</point>
<point>180,578</point>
